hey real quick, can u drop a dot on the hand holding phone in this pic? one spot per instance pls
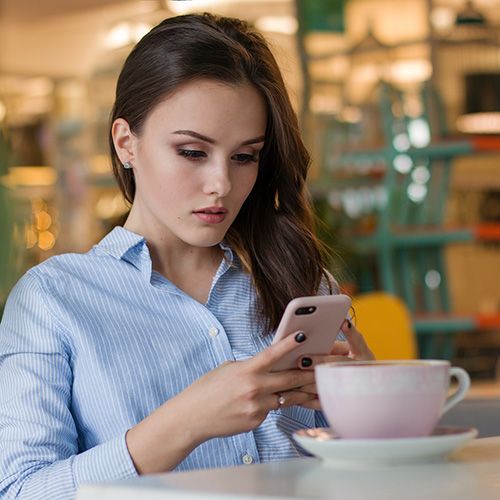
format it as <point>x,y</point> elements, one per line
<point>320,318</point>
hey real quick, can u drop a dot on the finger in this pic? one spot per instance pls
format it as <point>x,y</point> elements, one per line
<point>265,360</point>
<point>358,347</point>
<point>341,347</point>
<point>287,380</point>
<point>292,398</point>
<point>310,388</point>
<point>309,362</point>
<point>313,404</point>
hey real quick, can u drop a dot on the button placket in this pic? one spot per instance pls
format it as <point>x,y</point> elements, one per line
<point>213,331</point>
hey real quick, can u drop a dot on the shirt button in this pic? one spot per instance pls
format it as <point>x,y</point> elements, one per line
<point>213,332</point>
<point>247,459</point>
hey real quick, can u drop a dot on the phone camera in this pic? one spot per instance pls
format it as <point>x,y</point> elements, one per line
<point>305,310</point>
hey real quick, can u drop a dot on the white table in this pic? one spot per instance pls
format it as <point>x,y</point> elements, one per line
<point>472,473</point>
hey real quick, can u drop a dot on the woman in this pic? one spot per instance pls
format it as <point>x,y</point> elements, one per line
<point>152,351</point>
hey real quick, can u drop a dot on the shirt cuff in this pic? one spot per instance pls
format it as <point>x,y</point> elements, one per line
<point>320,419</point>
<point>109,461</point>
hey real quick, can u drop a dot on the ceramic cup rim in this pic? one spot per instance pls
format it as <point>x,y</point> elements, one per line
<point>385,364</point>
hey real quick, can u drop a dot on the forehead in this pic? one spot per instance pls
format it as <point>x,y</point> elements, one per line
<point>212,107</point>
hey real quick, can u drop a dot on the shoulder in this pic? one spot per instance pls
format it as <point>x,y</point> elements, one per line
<point>28,322</point>
<point>64,270</point>
<point>54,268</point>
<point>66,262</point>
<point>53,282</point>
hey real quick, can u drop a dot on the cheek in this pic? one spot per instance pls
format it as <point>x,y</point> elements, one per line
<point>179,185</point>
<point>165,181</point>
<point>246,182</point>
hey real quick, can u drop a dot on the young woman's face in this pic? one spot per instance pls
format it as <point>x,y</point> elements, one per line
<point>196,160</point>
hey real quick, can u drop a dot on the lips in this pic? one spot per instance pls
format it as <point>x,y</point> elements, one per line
<point>211,215</point>
<point>211,210</point>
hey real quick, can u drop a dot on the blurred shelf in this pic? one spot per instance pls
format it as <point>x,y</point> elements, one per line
<point>487,232</point>
<point>446,323</point>
<point>435,150</point>
<point>390,200</point>
<point>484,389</point>
<point>488,321</point>
<point>422,236</point>
<point>443,148</point>
<point>486,143</point>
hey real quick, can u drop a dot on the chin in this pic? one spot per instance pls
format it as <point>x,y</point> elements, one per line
<point>206,242</point>
<point>204,237</point>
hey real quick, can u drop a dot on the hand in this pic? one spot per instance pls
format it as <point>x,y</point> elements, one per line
<point>237,396</point>
<point>352,349</point>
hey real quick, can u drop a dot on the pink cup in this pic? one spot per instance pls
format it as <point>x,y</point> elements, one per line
<point>387,399</point>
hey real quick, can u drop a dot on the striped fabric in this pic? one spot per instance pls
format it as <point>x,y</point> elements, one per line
<point>90,344</point>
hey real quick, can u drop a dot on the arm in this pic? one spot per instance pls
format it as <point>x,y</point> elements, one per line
<point>234,398</point>
<point>38,437</point>
<point>41,458</point>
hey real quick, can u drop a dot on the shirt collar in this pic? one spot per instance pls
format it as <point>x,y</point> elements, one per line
<point>123,244</point>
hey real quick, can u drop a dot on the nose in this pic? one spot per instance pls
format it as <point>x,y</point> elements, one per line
<point>218,180</point>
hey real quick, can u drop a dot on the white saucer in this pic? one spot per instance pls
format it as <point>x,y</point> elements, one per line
<point>323,443</point>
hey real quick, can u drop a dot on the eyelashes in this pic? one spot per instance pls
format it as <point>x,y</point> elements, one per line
<point>246,158</point>
<point>197,155</point>
<point>191,154</point>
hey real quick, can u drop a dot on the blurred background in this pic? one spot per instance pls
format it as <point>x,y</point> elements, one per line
<point>399,102</point>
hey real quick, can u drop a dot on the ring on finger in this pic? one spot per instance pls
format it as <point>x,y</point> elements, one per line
<point>281,400</point>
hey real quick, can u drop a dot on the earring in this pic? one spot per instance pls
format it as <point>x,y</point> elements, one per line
<point>127,165</point>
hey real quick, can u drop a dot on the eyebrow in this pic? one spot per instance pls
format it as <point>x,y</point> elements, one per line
<point>204,138</point>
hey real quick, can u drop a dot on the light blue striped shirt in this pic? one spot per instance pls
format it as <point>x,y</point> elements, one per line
<point>90,344</point>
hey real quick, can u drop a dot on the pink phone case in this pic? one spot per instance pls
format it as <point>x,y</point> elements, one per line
<point>321,326</point>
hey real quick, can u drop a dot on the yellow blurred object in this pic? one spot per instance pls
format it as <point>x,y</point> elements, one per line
<point>43,221</point>
<point>29,176</point>
<point>385,322</point>
<point>46,240</point>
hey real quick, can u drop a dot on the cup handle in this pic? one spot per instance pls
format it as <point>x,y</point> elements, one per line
<point>463,386</point>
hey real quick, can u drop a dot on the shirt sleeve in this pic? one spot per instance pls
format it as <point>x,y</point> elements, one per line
<point>328,284</point>
<point>39,452</point>
<point>320,420</point>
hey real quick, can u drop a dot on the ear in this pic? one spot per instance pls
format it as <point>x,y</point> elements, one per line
<point>123,139</point>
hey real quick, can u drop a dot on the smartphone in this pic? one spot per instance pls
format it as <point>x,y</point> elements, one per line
<point>320,318</point>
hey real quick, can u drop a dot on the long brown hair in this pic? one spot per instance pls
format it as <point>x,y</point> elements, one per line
<point>273,234</point>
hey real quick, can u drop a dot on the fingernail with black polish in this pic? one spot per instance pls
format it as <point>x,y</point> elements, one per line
<point>300,337</point>
<point>306,362</point>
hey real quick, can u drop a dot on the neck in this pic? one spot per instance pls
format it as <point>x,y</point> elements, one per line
<point>172,257</point>
<point>180,264</point>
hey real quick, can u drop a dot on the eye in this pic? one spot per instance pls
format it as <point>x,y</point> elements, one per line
<point>245,158</point>
<point>191,154</point>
